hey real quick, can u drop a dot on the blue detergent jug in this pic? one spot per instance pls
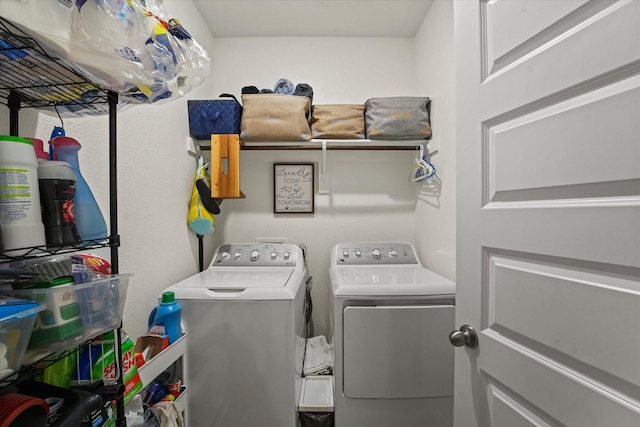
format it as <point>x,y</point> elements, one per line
<point>88,217</point>
<point>165,318</point>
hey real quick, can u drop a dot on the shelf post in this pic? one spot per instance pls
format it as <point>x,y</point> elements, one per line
<point>13,102</point>
<point>112,98</point>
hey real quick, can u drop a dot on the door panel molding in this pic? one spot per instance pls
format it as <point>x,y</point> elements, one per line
<point>516,365</point>
<point>532,298</point>
<point>508,409</point>
<point>569,150</point>
<point>515,33</point>
<point>518,169</point>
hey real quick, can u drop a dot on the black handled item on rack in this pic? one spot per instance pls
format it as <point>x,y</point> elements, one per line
<point>67,407</point>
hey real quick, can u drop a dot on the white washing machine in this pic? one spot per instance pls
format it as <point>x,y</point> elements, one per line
<point>390,320</point>
<point>247,332</point>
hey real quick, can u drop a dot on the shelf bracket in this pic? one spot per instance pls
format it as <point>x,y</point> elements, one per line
<point>323,182</point>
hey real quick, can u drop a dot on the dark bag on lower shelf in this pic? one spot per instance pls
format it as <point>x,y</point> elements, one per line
<point>398,118</point>
<point>214,116</point>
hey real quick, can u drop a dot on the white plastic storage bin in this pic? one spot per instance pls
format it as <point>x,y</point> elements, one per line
<point>76,312</point>
<point>316,401</point>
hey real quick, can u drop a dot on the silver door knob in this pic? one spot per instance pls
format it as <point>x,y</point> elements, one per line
<point>465,336</point>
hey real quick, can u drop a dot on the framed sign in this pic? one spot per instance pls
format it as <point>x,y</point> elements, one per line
<point>293,188</point>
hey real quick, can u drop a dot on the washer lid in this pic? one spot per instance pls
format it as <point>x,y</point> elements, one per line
<point>233,278</point>
<point>389,280</point>
<point>221,278</point>
<point>240,283</point>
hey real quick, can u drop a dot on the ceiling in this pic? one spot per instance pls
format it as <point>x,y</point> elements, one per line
<point>313,18</point>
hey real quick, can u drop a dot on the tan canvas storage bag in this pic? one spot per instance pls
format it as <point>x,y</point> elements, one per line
<point>274,117</point>
<point>338,121</point>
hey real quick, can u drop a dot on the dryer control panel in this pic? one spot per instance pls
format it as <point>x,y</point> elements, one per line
<point>374,254</point>
<point>257,255</point>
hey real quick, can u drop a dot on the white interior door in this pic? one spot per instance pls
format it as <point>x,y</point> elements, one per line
<point>548,273</point>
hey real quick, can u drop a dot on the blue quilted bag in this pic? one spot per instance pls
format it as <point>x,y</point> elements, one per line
<point>214,116</point>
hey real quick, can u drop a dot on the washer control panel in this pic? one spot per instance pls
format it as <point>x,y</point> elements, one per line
<point>374,254</point>
<point>256,255</point>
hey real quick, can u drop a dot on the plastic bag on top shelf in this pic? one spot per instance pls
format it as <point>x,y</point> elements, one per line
<point>126,46</point>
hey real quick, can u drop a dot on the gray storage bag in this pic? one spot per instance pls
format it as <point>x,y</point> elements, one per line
<point>398,118</point>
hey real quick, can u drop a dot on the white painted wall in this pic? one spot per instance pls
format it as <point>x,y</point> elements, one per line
<point>369,198</point>
<point>435,213</point>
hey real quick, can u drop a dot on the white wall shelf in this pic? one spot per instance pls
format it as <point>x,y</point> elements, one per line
<point>327,144</point>
<point>335,144</point>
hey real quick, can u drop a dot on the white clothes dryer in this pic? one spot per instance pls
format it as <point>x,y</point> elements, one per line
<point>390,321</point>
<point>247,333</point>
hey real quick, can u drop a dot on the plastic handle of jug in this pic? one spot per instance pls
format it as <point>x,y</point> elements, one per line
<point>152,317</point>
<point>57,131</point>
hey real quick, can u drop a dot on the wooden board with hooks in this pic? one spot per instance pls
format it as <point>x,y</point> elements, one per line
<point>225,166</point>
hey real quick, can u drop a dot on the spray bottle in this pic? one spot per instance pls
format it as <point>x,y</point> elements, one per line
<point>89,220</point>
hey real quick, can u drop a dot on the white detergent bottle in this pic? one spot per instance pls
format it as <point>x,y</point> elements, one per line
<point>20,214</point>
